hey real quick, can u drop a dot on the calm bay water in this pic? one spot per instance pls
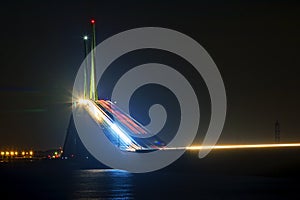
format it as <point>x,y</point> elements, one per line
<point>254,174</point>
<point>116,184</point>
<point>102,183</point>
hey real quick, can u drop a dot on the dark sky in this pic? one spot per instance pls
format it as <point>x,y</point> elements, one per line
<point>255,45</point>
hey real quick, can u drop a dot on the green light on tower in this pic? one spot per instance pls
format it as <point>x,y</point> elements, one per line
<point>93,89</point>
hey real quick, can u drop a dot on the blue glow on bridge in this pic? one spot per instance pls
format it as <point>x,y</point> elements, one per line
<point>120,128</point>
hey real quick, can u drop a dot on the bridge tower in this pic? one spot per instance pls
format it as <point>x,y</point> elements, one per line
<point>73,148</point>
<point>93,88</point>
<point>277,132</point>
<point>86,50</point>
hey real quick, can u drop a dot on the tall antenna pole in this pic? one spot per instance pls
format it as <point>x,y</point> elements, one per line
<point>93,88</point>
<point>277,132</point>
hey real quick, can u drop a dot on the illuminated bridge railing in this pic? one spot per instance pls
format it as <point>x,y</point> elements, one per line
<point>120,128</point>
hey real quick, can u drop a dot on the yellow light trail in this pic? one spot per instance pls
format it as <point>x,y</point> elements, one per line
<point>236,146</point>
<point>100,115</point>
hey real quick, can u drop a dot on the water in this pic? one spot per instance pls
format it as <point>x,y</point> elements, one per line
<point>115,184</point>
<point>104,184</point>
<point>251,174</point>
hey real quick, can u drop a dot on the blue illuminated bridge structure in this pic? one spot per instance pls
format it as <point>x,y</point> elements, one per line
<point>119,127</point>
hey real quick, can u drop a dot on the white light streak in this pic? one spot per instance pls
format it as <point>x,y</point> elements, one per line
<point>100,116</point>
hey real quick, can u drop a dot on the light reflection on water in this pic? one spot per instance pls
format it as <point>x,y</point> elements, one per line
<point>102,184</point>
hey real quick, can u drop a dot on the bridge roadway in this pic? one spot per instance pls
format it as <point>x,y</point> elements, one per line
<point>121,129</point>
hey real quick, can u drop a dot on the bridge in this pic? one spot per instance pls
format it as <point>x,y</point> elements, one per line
<point>120,128</point>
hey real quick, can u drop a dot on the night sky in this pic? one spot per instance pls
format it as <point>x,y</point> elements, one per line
<point>255,45</point>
